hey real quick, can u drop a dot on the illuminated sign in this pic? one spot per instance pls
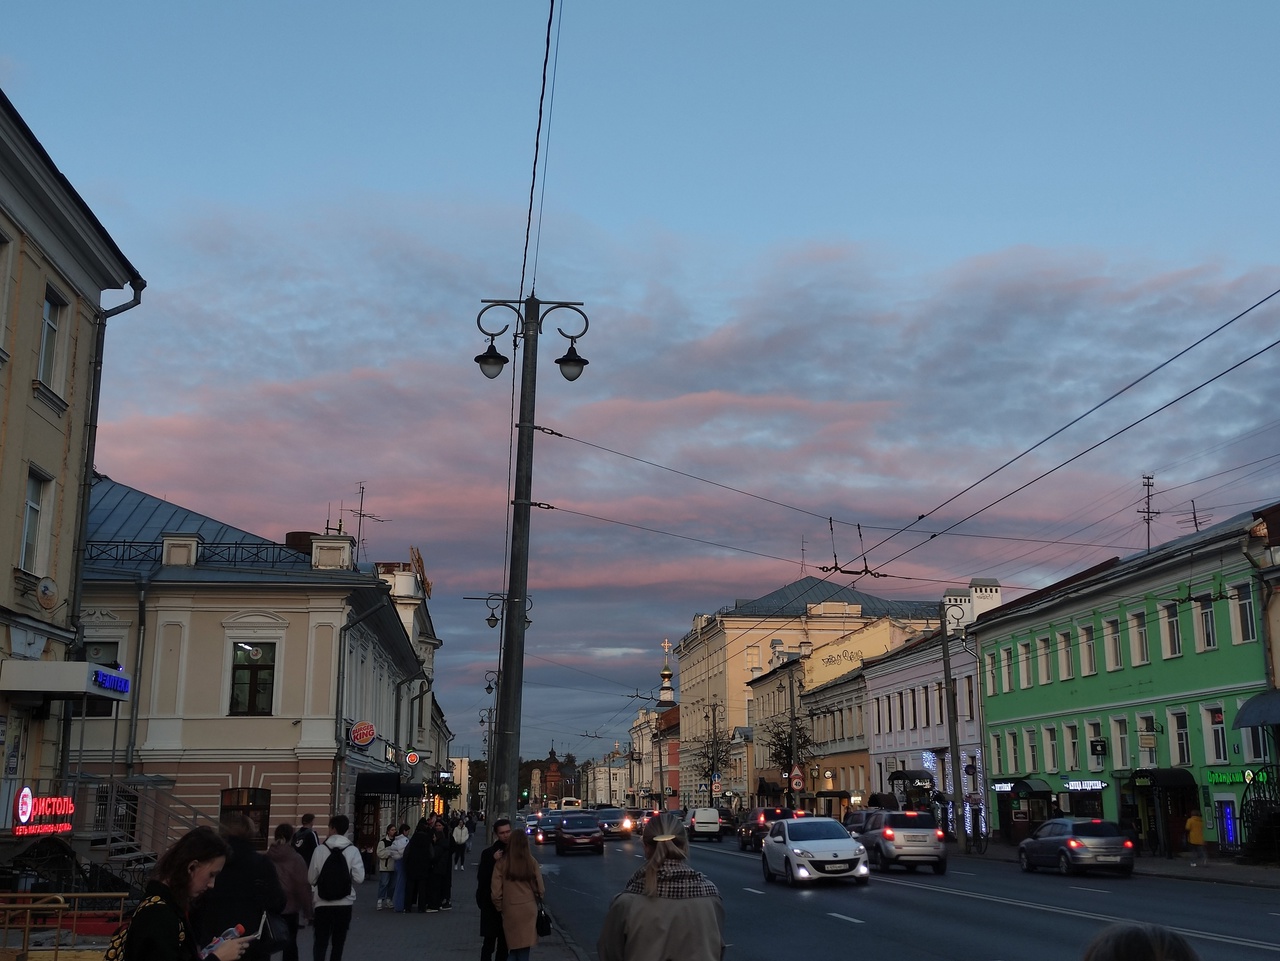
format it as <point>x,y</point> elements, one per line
<point>1247,776</point>
<point>110,682</point>
<point>1002,787</point>
<point>363,733</point>
<point>41,814</point>
<point>411,758</point>
<point>1085,785</point>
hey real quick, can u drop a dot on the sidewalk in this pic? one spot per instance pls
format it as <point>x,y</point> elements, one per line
<point>388,936</point>
<point>1219,870</point>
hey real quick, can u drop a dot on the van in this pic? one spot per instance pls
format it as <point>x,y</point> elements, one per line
<point>704,823</point>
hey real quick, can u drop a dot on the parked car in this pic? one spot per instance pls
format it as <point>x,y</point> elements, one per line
<point>613,822</point>
<point>909,838</point>
<point>579,831</point>
<point>811,849</point>
<point>704,823</point>
<point>755,824</point>
<point>1078,844</point>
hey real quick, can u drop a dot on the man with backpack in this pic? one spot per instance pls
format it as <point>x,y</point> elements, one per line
<point>305,839</point>
<point>336,869</point>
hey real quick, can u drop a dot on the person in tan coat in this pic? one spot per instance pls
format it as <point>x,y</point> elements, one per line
<point>667,909</point>
<point>517,888</point>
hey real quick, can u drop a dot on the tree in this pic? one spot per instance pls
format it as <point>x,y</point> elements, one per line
<point>711,757</point>
<point>774,735</point>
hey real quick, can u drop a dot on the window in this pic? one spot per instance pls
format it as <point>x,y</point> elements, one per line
<point>52,316</point>
<point>1147,741</point>
<point>924,701</point>
<point>1032,745</point>
<point>942,701</point>
<point>1207,639</point>
<point>1111,632</point>
<point>1172,632</point>
<point>1088,657</point>
<point>1024,664</point>
<point>1120,741</point>
<point>876,714</point>
<point>915,709</point>
<point>253,671</point>
<point>1216,742</point>
<point>1007,667</point>
<point>997,755</point>
<point>1096,761</point>
<point>1042,660</point>
<point>990,674</point>
<point>1140,651</point>
<point>1246,627</point>
<point>753,659</point>
<point>1012,738</point>
<point>1254,740</point>
<point>33,534</point>
<point>902,711</point>
<point>969,696</point>
<point>1066,662</point>
<point>1179,738</point>
<point>1071,734</point>
<point>1051,749</point>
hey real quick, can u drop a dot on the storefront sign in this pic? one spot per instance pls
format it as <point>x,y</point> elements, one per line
<point>1001,787</point>
<point>110,682</point>
<point>363,733</point>
<point>1247,776</point>
<point>411,758</point>
<point>1085,785</point>
<point>41,814</point>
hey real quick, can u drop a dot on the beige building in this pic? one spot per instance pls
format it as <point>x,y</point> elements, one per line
<point>830,628</point>
<point>277,679</point>
<point>56,260</point>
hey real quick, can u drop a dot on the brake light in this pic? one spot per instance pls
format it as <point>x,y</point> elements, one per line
<point>938,831</point>
<point>910,814</point>
<point>1128,843</point>
<point>761,818</point>
<point>1073,843</point>
<point>888,834</point>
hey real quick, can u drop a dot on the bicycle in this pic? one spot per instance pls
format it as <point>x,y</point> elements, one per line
<point>976,843</point>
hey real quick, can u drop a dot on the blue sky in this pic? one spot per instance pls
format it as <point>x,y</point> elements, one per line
<point>843,256</point>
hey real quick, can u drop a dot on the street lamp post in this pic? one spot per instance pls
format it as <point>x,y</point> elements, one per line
<point>953,734</point>
<point>505,738</point>
<point>711,714</point>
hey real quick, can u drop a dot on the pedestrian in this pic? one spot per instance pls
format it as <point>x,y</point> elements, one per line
<point>333,915</point>
<point>471,830</point>
<point>1195,837</point>
<point>439,878</point>
<point>417,866</point>
<point>246,887</point>
<point>297,891</point>
<point>158,929</point>
<point>517,892</point>
<point>1139,942</point>
<point>459,839</point>
<point>388,854</point>
<point>667,909</point>
<point>305,838</point>
<point>401,898</point>
<point>493,945</point>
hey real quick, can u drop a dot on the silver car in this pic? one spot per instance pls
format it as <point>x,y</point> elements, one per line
<point>811,849</point>
<point>909,838</point>
<point>1077,844</point>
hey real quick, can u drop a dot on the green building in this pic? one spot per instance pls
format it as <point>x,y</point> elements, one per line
<point>1113,692</point>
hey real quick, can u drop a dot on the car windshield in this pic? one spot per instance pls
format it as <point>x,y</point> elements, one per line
<point>912,819</point>
<point>1095,829</point>
<point>805,830</point>
<point>579,821</point>
<point>608,814</point>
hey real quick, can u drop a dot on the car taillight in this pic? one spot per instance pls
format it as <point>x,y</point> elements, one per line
<point>939,833</point>
<point>761,819</point>
<point>1073,843</point>
<point>1128,843</point>
<point>888,834</point>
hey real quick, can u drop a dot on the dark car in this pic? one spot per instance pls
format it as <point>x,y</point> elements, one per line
<point>579,832</point>
<point>728,822</point>
<point>755,824</point>
<point>1078,844</point>
<point>546,830</point>
<point>855,821</point>
<point>614,822</point>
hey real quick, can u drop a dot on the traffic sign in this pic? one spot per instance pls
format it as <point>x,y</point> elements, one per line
<point>702,787</point>
<point>796,772</point>
<point>482,788</point>
<point>715,788</point>
<point>797,784</point>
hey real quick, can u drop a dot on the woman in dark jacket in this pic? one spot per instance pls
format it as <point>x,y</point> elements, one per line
<point>247,887</point>
<point>417,867</point>
<point>158,930</point>
<point>297,889</point>
<point>439,876</point>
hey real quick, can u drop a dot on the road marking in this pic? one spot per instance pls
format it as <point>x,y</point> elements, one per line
<point>753,890</point>
<point>967,874</point>
<point>844,917</point>
<point>1076,887</point>
<point>1070,912</point>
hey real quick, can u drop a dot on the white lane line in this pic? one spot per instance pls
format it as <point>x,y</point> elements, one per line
<point>753,890</point>
<point>967,874</point>
<point>1076,887</point>
<point>844,917</point>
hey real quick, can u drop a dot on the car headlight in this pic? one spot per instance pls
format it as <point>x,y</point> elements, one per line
<point>859,850</point>
<point>801,853</point>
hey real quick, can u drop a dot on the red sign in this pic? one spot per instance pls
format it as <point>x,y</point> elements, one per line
<point>363,733</point>
<point>40,814</point>
<point>411,758</point>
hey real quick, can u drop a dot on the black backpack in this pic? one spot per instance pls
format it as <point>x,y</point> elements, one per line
<point>334,881</point>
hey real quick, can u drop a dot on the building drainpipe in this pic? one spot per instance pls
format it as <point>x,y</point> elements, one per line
<point>76,651</point>
<point>136,702</point>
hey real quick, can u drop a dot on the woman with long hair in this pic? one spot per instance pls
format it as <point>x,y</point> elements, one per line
<point>517,890</point>
<point>667,909</point>
<point>159,929</point>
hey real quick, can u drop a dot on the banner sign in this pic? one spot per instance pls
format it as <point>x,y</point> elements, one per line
<point>41,814</point>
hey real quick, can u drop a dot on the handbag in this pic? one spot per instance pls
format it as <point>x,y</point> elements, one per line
<point>544,920</point>
<point>274,932</point>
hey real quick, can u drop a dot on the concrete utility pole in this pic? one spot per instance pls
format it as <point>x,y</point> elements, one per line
<point>953,734</point>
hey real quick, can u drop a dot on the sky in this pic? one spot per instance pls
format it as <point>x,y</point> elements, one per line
<point>841,262</point>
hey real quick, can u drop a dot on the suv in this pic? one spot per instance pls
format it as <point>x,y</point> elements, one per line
<point>909,838</point>
<point>755,824</point>
<point>578,831</point>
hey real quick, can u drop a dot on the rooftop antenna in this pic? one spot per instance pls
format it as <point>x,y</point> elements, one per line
<point>360,514</point>
<point>1148,481</point>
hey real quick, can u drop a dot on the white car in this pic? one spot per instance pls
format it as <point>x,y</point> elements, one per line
<point>810,849</point>
<point>704,823</point>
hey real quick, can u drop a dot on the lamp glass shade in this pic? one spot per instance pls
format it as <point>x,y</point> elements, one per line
<point>491,362</point>
<point>571,363</point>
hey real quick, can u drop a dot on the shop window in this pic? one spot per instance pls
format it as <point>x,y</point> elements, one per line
<point>255,804</point>
<point>1255,746</point>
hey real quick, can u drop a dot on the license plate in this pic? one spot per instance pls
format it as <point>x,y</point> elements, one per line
<point>1108,858</point>
<point>839,866</point>
<point>918,838</point>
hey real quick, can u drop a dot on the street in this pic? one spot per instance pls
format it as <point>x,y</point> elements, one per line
<point>983,909</point>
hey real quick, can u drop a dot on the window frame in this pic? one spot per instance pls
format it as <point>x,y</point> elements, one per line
<point>1171,631</point>
<point>1245,624</point>
<point>1206,624</point>
<point>1139,641</point>
<point>1113,644</point>
<point>1066,657</point>
<point>34,547</point>
<point>253,681</point>
<point>1088,651</point>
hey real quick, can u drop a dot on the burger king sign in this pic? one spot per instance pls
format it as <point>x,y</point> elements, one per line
<point>363,733</point>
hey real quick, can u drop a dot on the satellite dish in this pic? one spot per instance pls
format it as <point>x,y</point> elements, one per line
<point>47,593</point>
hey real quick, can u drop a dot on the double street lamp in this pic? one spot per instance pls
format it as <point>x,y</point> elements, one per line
<point>505,733</point>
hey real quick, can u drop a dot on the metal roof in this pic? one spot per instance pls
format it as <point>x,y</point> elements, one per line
<point>793,600</point>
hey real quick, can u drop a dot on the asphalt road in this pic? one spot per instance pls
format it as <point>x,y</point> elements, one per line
<point>983,909</point>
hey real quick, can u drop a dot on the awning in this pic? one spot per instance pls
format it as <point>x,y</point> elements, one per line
<point>1162,777</point>
<point>62,680</point>
<point>1031,785</point>
<point>1261,710</point>
<point>843,795</point>
<point>915,777</point>
<point>412,789</point>
<point>378,782</point>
